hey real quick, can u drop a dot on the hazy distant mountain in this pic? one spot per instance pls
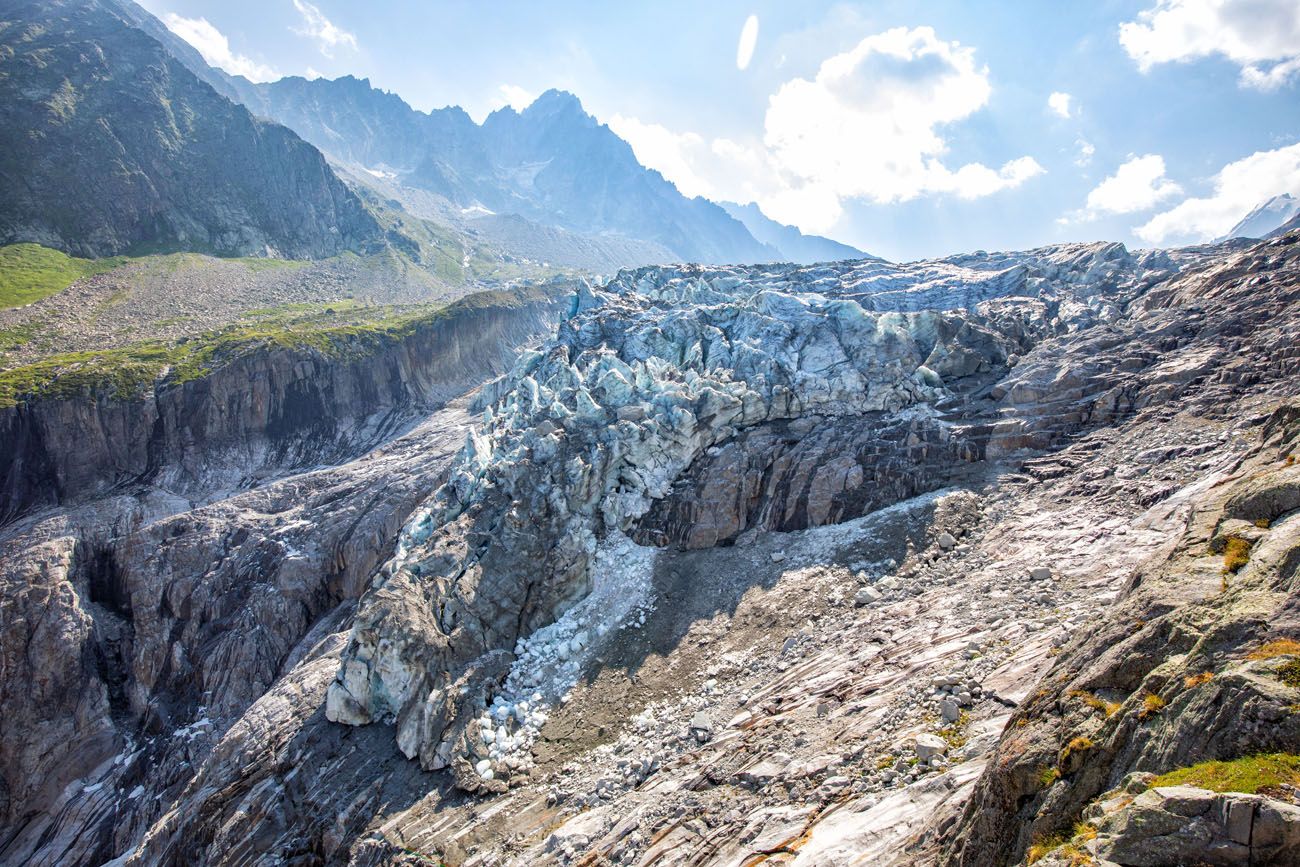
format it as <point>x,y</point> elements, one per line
<point>1266,218</point>
<point>552,163</point>
<point>792,244</point>
<point>108,144</point>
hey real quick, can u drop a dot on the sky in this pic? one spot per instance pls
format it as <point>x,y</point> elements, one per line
<point>908,128</point>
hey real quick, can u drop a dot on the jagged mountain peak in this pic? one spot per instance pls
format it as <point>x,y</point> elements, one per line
<point>1266,217</point>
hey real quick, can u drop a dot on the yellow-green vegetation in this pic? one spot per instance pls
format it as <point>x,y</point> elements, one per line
<point>1289,673</point>
<point>1047,776</point>
<point>1236,553</point>
<point>1059,846</point>
<point>1043,847</point>
<point>339,329</point>
<point>124,371</point>
<point>1248,774</point>
<point>1194,680</point>
<point>18,335</point>
<point>1276,648</point>
<point>1065,846</point>
<point>1152,704</point>
<point>1095,702</point>
<point>1262,523</point>
<point>955,734</point>
<point>1080,744</point>
<point>30,272</point>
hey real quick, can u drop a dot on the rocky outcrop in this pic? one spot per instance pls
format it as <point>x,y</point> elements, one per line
<point>138,630</point>
<point>264,410</point>
<point>1185,825</point>
<point>113,146</point>
<point>1179,672</point>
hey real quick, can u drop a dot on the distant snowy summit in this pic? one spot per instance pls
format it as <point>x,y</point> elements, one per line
<point>1266,218</point>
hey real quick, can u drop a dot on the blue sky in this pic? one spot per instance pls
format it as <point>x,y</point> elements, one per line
<point>909,129</point>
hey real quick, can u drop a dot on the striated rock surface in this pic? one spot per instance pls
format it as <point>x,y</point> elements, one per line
<point>140,622</point>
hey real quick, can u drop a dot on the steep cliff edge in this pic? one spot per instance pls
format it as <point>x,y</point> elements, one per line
<point>264,409</point>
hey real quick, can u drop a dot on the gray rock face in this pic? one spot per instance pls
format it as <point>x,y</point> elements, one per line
<point>1182,825</point>
<point>1181,678</point>
<point>194,653</point>
<point>552,164</point>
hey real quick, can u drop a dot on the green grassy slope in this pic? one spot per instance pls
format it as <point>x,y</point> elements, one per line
<point>30,272</point>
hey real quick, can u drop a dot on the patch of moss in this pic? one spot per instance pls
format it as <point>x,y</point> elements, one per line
<point>1248,774</point>
<point>1276,648</point>
<point>30,272</point>
<point>1043,847</point>
<point>955,734</point>
<point>1289,673</point>
<point>1047,776</point>
<point>1095,702</point>
<point>18,335</point>
<point>1236,553</point>
<point>1194,680</point>
<point>1062,848</point>
<point>1152,704</point>
<point>1080,744</point>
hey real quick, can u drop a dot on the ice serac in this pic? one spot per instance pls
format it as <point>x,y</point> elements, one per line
<point>650,376</point>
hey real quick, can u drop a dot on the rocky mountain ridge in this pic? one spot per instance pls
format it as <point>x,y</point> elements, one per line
<point>1267,218</point>
<point>552,163</point>
<point>792,244</point>
<point>112,146</point>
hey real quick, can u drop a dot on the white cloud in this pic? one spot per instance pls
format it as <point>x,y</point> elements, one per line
<point>869,126</point>
<point>1059,103</point>
<point>1238,188</point>
<point>1260,36</point>
<point>514,96</point>
<point>213,45</point>
<point>674,155</point>
<point>1137,185</point>
<point>1086,150</point>
<point>748,39</point>
<point>327,34</point>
